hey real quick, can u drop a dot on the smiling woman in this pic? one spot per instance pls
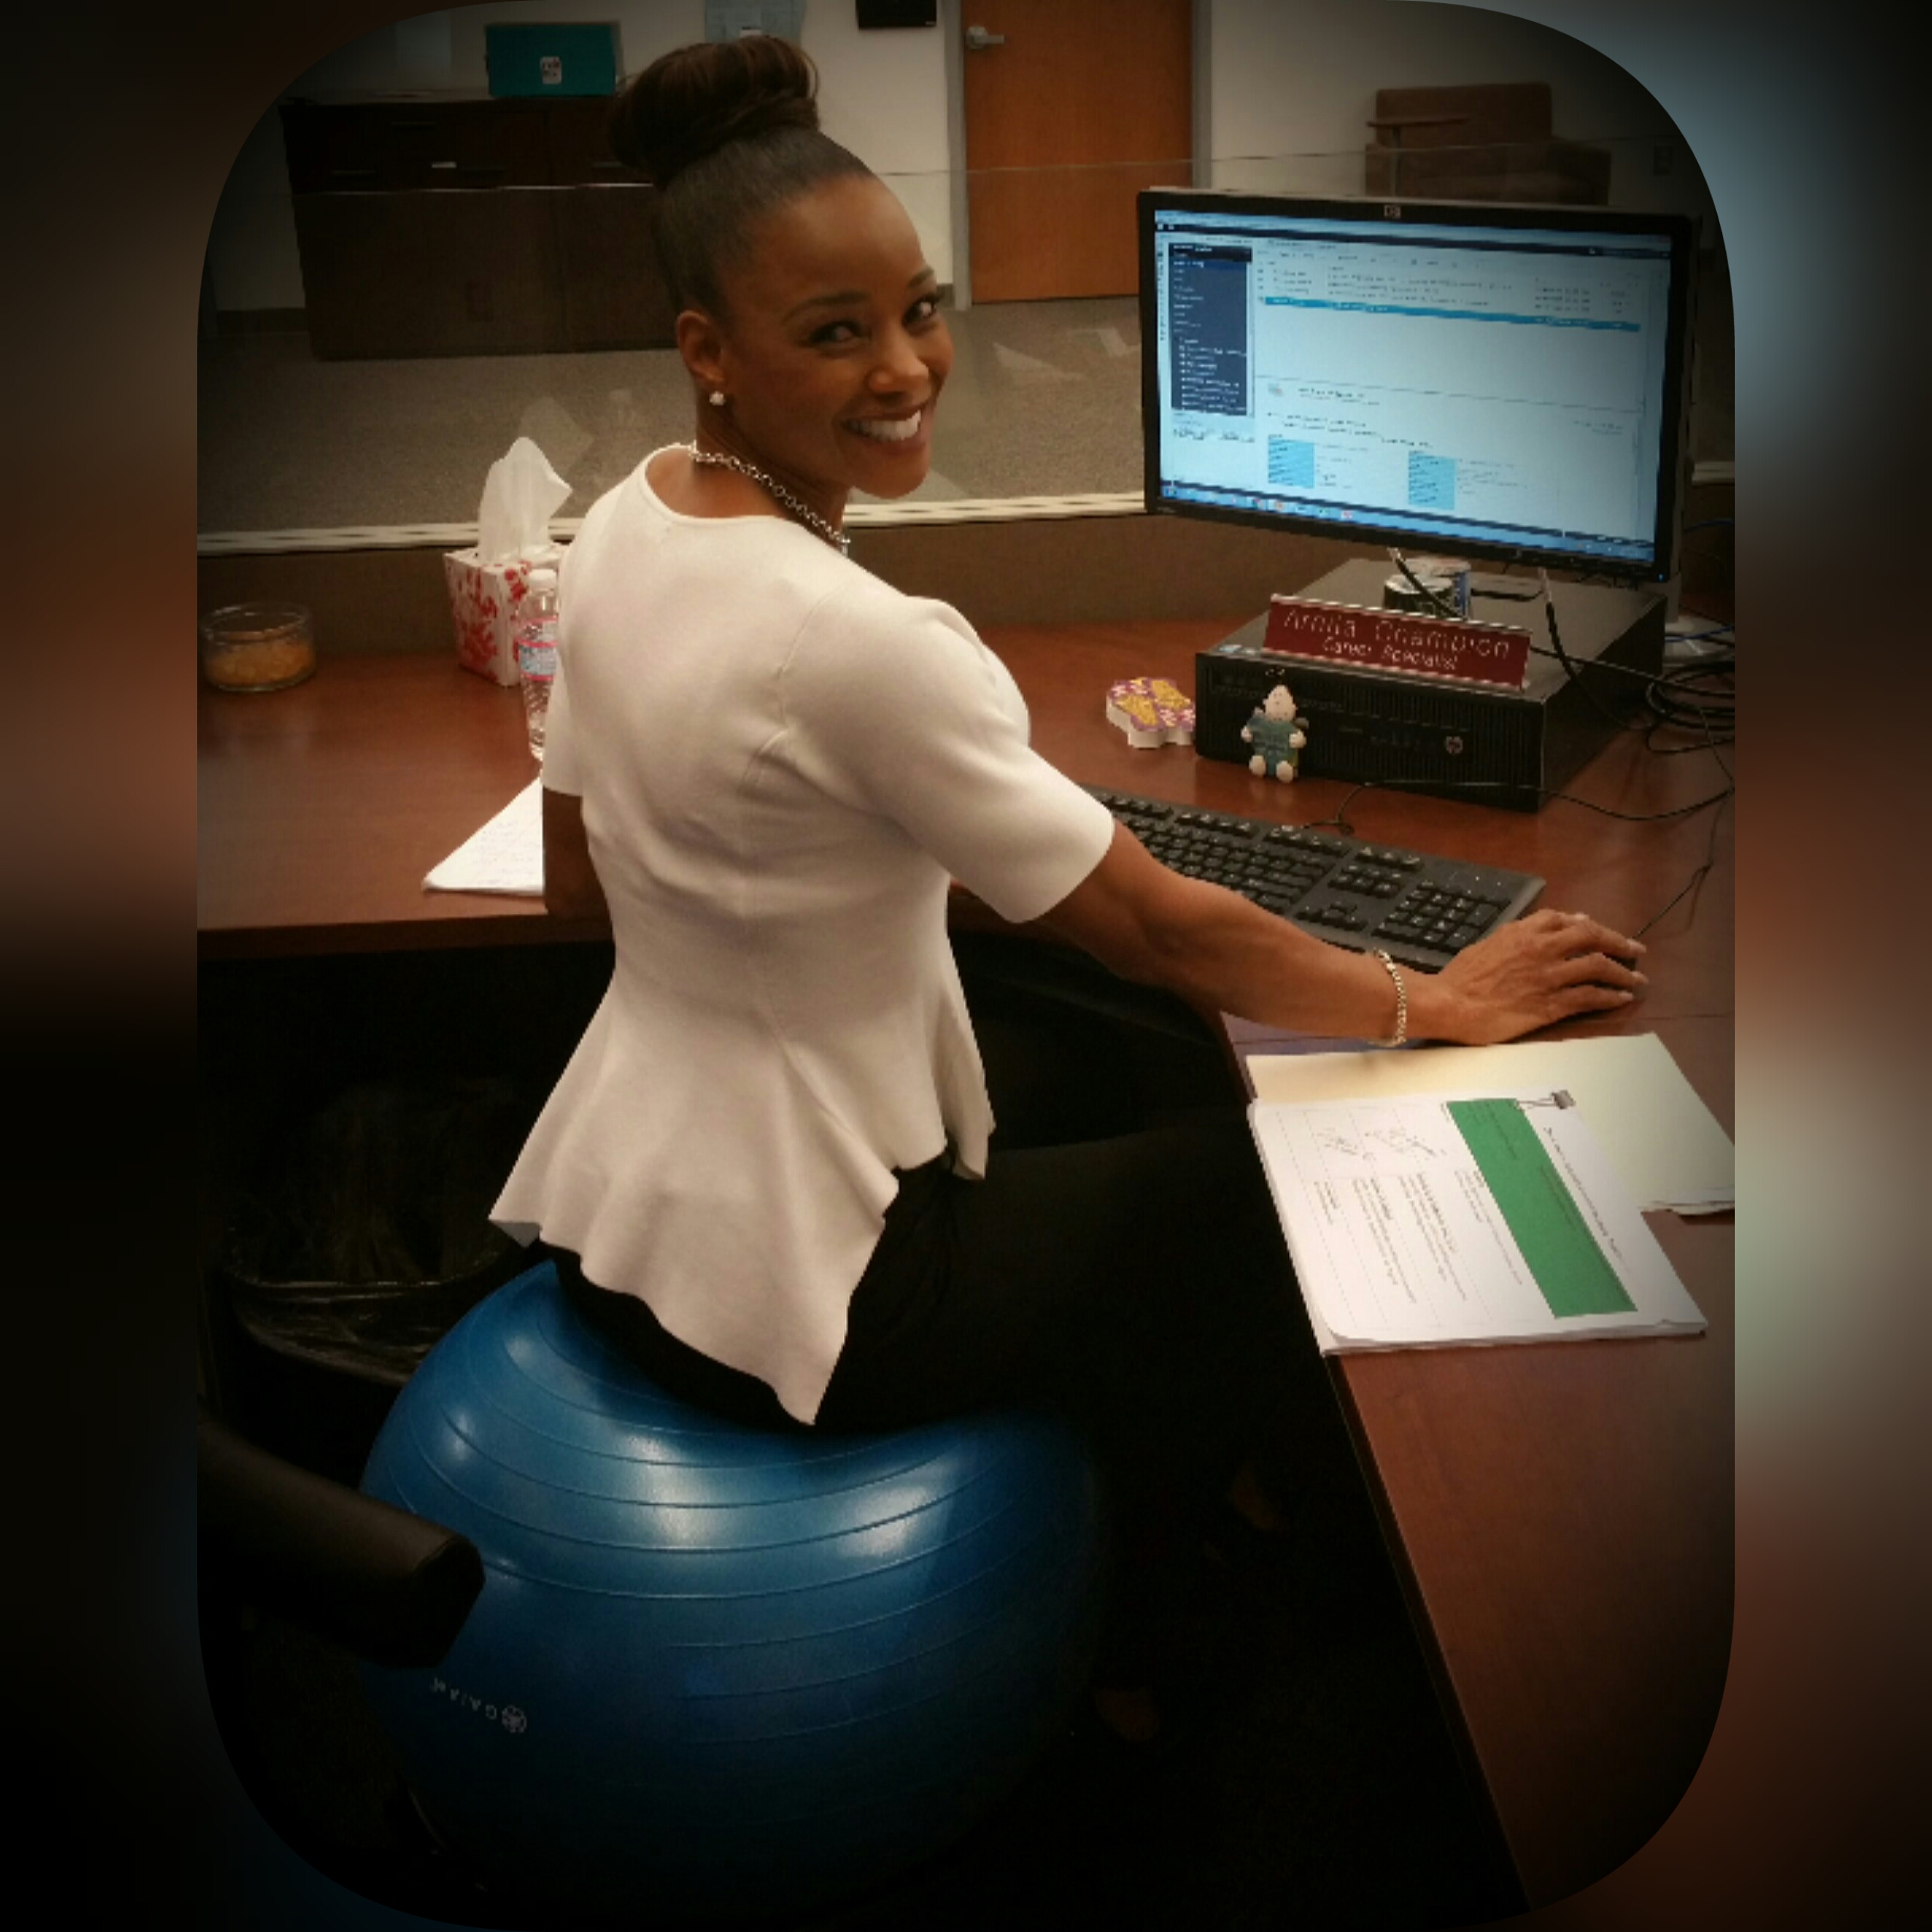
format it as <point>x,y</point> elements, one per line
<point>769,1172</point>
<point>808,316</point>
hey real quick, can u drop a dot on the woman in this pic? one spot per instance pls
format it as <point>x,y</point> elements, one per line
<point>767,1168</point>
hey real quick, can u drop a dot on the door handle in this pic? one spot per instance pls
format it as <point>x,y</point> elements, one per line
<point>978,40</point>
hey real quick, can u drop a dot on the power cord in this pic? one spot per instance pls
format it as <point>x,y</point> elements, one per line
<point>1433,785</point>
<point>1340,820</point>
<point>1657,685</point>
<point>1699,696</point>
<point>1570,668</point>
<point>1694,883</point>
<point>1692,697</point>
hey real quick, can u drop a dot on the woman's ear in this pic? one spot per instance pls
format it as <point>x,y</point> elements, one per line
<point>701,343</point>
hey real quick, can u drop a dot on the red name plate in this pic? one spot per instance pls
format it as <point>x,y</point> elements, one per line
<point>1405,641</point>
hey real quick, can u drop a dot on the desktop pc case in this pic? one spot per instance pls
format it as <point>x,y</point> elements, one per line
<point>1481,743</point>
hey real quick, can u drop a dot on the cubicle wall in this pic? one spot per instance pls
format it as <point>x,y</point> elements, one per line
<point>1056,569</point>
<point>378,597</point>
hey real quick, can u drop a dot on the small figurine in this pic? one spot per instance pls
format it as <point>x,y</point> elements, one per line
<point>1277,738</point>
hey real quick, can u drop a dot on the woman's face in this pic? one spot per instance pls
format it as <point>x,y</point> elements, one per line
<point>834,351</point>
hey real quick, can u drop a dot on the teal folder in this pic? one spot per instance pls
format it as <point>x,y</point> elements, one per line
<point>536,59</point>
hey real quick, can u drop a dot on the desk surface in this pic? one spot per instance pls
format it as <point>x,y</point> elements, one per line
<point>1561,1516</point>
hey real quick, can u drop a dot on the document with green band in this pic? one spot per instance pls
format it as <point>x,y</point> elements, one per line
<point>1426,1221</point>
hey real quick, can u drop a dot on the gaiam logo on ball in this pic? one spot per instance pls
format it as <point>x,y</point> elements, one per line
<point>510,1716</point>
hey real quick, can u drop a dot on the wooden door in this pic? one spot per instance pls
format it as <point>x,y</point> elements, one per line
<point>1083,104</point>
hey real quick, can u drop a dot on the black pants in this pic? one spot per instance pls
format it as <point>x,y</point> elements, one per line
<point>1133,1279</point>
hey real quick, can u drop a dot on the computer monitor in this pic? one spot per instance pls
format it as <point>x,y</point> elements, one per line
<point>1493,381</point>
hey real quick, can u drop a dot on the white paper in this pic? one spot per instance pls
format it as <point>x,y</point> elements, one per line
<point>505,855</point>
<point>1399,1242</point>
<point>1663,1141</point>
<point>521,494</point>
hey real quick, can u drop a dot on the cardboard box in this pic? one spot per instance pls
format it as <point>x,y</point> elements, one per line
<point>552,57</point>
<point>483,605</point>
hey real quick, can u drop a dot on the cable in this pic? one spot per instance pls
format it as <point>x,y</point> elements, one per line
<point>1683,696</point>
<point>1555,648</point>
<point>1673,696</point>
<point>1427,784</point>
<point>1689,704</point>
<point>1575,676</point>
<point>1339,819</point>
<point>1444,608</point>
<point>1682,751</point>
<point>1645,818</point>
<point>1680,697</point>
<point>1694,883</point>
<point>1711,665</point>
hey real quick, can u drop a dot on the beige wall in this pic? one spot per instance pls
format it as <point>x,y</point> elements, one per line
<point>882,94</point>
<point>1293,81</point>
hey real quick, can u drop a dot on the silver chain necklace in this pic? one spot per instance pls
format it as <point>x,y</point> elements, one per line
<point>803,512</point>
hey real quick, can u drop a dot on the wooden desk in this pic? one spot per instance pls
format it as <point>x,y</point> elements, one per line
<point>1561,1517</point>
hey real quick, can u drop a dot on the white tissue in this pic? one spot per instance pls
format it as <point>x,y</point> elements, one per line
<point>520,496</point>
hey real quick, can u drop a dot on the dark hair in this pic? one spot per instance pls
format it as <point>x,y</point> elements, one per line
<point>728,130</point>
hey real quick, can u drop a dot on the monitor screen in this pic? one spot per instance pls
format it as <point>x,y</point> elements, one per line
<point>1487,380</point>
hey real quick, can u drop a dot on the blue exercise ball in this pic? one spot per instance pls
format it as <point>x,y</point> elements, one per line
<point>715,1672</point>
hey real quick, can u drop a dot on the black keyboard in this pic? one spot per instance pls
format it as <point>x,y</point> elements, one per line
<point>1416,906</point>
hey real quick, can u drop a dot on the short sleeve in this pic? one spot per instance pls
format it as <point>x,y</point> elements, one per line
<point>560,761</point>
<point>892,704</point>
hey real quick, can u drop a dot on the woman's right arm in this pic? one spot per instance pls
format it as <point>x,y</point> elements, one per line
<point>1220,953</point>
<point>571,890</point>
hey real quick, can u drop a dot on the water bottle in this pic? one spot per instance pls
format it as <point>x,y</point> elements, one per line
<point>536,652</point>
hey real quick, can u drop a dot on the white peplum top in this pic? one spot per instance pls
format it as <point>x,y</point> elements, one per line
<point>782,761</point>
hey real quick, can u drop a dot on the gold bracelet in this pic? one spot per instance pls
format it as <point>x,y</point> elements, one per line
<point>1401,1032</point>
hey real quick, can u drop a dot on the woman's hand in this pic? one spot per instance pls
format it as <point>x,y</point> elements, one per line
<point>1222,955</point>
<point>1548,967</point>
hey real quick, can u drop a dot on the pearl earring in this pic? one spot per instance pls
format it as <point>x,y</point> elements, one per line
<point>718,398</point>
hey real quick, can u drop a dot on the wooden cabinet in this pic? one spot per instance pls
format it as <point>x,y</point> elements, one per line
<point>461,226</point>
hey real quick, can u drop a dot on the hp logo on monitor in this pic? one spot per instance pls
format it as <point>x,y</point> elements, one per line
<point>1393,210</point>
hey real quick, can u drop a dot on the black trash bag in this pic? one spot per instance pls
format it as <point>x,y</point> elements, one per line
<point>360,1239</point>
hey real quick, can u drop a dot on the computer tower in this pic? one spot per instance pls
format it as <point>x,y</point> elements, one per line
<point>1480,742</point>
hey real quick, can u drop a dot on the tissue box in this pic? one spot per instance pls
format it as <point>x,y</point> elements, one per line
<point>483,602</point>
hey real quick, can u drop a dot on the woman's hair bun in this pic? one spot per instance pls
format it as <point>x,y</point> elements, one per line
<point>693,100</point>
